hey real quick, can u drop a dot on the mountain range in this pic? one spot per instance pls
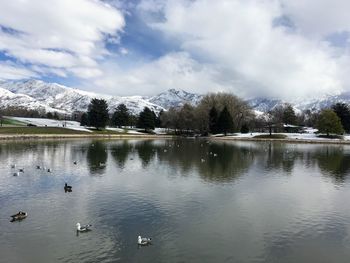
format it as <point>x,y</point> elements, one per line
<point>53,97</point>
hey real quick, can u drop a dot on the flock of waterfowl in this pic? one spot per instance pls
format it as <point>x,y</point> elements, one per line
<point>142,241</point>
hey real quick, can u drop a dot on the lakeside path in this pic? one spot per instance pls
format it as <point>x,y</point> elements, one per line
<point>81,136</point>
<point>285,140</point>
<point>163,136</point>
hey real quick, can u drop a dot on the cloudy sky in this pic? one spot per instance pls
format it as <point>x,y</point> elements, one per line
<point>273,48</point>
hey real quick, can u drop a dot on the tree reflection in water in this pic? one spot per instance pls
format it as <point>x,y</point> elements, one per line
<point>97,157</point>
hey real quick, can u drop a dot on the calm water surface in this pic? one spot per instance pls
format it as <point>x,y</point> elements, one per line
<point>250,202</point>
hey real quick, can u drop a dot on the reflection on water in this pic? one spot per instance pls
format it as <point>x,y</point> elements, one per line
<point>201,201</point>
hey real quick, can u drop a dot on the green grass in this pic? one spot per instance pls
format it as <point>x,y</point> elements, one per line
<point>39,130</point>
<point>272,136</point>
<point>12,122</point>
<point>331,136</point>
<point>105,131</point>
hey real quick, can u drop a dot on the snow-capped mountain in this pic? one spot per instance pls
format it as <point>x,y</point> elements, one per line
<point>266,104</point>
<point>175,98</point>
<point>51,97</point>
<point>36,94</point>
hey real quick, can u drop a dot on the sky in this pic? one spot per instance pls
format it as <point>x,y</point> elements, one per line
<point>288,49</point>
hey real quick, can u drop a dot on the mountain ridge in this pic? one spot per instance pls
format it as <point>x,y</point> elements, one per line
<point>51,97</point>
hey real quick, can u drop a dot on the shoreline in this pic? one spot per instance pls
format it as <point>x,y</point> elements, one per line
<point>19,137</point>
<point>285,140</point>
<point>4,137</point>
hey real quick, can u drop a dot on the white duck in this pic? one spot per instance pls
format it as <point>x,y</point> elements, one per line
<point>83,228</point>
<point>144,241</point>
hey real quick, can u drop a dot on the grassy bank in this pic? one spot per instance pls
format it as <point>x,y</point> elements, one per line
<point>272,136</point>
<point>38,130</point>
<point>11,122</point>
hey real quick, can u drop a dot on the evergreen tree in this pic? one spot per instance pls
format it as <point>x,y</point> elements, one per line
<point>49,115</point>
<point>98,113</point>
<point>343,112</point>
<point>225,121</point>
<point>121,116</point>
<point>289,116</point>
<point>146,119</point>
<point>55,116</point>
<point>329,122</point>
<point>84,121</point>
<point>244,128</point>
<point>213,120</point>
<point>158,122</point>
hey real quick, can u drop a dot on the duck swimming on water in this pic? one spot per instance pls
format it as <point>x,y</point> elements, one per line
<point>19,216</point>
<point>144,241</point>
<point>67,188</point>
<point>83,228</point>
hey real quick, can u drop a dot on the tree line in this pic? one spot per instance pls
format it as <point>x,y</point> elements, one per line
<point>216,113</point>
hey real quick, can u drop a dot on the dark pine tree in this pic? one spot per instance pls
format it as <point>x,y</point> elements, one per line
<point>98,113</point>
<point>146,119</point>
<point>225,121</point>
<point>84,121</point>
<point>121,116</point>
<point>49,115</point>
<point>158,122</point>
<point>245,128</point>
<point>213,120</point>
<point>343,112</point>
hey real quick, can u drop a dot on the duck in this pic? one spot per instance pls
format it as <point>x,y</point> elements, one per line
<point>21,170</point>
<point>48,170</point>
<point>83,228</point>
<point>67,188</point>
<point>102,164</point>
<point>202,160</point>
<point>16,174</point>
<point>19,216</point>
<point>144,241</point>
<point>38,167</point>
<point>75,162</point>
<point>13,166</point>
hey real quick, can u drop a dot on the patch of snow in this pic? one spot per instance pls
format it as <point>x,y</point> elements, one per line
<point>42,122</point>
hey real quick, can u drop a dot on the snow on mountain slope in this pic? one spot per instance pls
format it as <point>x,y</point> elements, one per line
<point>10,99</point>
<point>55,97</point>
<point>175,98</point>
<point>267,104</point>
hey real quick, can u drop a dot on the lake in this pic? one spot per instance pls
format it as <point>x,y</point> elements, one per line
<point>200,201</point>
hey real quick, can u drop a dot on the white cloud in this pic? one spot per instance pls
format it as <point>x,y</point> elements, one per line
<point>241,38</point>
<point>58,33</point>
<point>172,70</point>
<point>318,18</point>
<point>10,71</point>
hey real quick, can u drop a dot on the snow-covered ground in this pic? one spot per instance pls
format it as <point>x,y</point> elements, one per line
<point>74,125</point>
<point>43,122</point>
<point>295,136</point>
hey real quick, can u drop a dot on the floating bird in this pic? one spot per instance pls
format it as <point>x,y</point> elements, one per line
<point>83,228</point>
<point>19,216</point>
<point>16,174</point>
<point>75,162</point>
<point>48,170</point>
<point>38,167</point>
<point>13,166</point>
<point>21,170</point>
<point>165,150</point>
<point>67,188</point>
<point>144,241</point>
<point>102,164</point>
<point>215,155</point>
<point>202,160</point>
